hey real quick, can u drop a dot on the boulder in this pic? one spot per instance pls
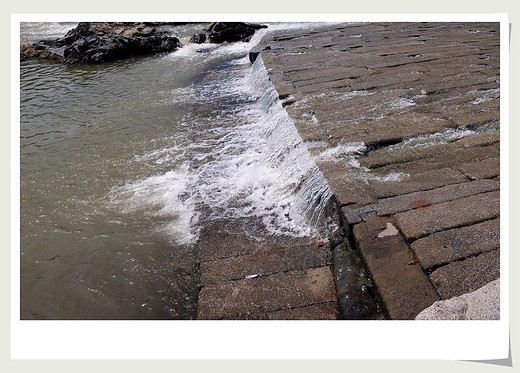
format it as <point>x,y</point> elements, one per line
<point>198,38</point>
<point>227,32</point>
<point>101,42</point>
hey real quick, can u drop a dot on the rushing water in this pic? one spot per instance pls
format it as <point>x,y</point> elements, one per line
<point>123,163</point>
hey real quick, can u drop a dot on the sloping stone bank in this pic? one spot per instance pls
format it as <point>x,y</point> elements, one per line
<point>404,121</point>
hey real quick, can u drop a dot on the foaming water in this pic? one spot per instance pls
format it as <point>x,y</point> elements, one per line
<point>248,161</point>
<point>123,163</point>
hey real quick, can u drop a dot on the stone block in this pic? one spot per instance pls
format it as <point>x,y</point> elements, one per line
<point>460,212</point>
<point>405,202</point>
<point>447,246</point>
<point>465,276</point>
<point>422,181</point>
<point>264,261</point>
<point>486,168</point>
<point>267,293</point>
<point>403,287</point>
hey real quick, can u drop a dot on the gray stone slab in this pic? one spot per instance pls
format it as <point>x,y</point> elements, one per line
<point>386,156</point>
<point>449,159</point>
<point>321,311</point>
<point>486,168</point>
<point>465,276</point>
<point>423,181</point>
<point>454,244</point>
<point>482,304</point>
<point>224,239</point>
<point>403,287</point>
<point>393,205</point>
<point>347,188</point>
<point>460,212</point>
<point>264,261</point>
<point>267,293</point>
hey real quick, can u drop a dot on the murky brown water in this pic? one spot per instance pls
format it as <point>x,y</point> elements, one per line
<point>122,162</point>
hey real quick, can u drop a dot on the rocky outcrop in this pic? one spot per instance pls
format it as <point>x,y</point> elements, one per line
<point>101,42</point>
<point>222,32</point>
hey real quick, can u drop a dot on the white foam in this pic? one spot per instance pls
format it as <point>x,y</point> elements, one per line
<point>263,169</point>
<point>161,196</point>
<point>249,161</point>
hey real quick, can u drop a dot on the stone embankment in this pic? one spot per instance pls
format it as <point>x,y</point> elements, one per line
<point>403,120</point>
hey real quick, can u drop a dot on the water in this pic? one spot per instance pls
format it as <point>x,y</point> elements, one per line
<point>122,165</point>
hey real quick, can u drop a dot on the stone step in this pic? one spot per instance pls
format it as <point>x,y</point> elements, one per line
<point>454,244</point>
<point>422,181</point>
<point>321,311</point>
<point>460,212</point>
<point>404,288</point>
<point>279,291</point>
<point>265,261</point>
<point>405,202</point>
<point>468,275</point>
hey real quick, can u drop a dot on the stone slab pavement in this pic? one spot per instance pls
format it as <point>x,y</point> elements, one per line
<point>404,122</point>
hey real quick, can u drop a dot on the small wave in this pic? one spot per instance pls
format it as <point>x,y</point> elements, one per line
<point>162,196</point>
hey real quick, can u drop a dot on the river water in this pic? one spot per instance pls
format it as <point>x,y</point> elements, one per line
<point>122,164</point>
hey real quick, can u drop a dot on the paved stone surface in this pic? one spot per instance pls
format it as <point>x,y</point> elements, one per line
<point>267,293</point>
<point>405,202</point>
<point>482,304</point>
<point>484,169</point>
<point>404,288</point>
<point>322,311</point>
<point>464,211</point>
<point>265,261</point>
<point>229,239</point>
<point>464,276</point>
<point>421,181</point>
<point>454,244</point>
<point>385,156</point>
<point>420,103</point>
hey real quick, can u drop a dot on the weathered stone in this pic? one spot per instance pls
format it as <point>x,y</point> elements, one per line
<point>454,244</point>
<point>468,275</point>
<point>220,32</point>
<point>460,212</point>
<point>347,189</point>
<point>103,41</point>
<point>422,181</point>
<point>267,293</point>
<point>482,304</point>
<point>384,84</point>
<point>393,205</point>
<point>264,261</point>
<point>444,160</point>
<point>385,156</point>
<point>323,311</point>
<point>400,281</point>
<point>486,168</point>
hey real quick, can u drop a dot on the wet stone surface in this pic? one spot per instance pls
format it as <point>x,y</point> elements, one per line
<point>404,122</point>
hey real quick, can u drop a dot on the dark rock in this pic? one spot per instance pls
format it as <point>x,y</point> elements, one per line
<point>253,56</point>
<point>221,32</point>
<point>101,42</point>
<point>198,38</point>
